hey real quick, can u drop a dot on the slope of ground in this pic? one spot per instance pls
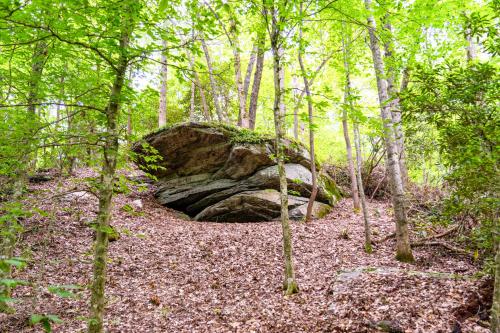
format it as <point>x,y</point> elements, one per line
<point>167,274</point>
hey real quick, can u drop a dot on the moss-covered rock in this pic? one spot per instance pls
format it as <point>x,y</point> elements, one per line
<point>199,165</point>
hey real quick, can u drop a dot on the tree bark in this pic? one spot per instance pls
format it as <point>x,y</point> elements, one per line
<point>364,206</point>
<point>348,101</point>
<point>394,100</point>
<point>259,67</point>
<point>495,308</point>
<point>303,93</point>
<point>314,190</point>
<point>191,105</point>
<point>471,50</point>
<point>243,120</point>
<point>295,87</point>
<point>27,160</point>
<point>110,155</point>
<point>403,249</point>
<point>40,54</point>
<point>248,75</point>
<point>197,82</point>
<point>162,112</point>
<point>213,82</point>
<point>350,161</point>
<point>290,285</point>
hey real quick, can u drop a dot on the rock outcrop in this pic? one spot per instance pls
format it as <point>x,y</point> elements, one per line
<point>219,173</point>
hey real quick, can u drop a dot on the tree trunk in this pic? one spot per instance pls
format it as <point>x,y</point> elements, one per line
<point>495,308</point>
<point>395,101</point>
<point>213,83</point>
<point>295,87</point>
<point>364,206</point>
<point>259,67</point>
<point>248,76</point>
<point>38,63</point>
<point>314,190</point>
<point>129,127</point>
<point>471,49</point>
<point>302,94</point>
<point>290,285</point>
<point>162,112</point>
<point>197,82</point>
<point>348,101</point>
<point>110,155</point>
<point>350,161</point>
<point>191,105</point>
<point>403,249</point>
<point>27,160</point>
<point>243,120</point>
<point>70,156</point>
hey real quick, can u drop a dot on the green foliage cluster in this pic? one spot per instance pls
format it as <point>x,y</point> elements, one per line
<point>461,105</point>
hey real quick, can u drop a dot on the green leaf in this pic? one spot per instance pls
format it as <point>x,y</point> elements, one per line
<point>17,262</point>
<point>163,5</point>
<point>11,283</point>
<point>36,318</point>
<point>63,290</point>
<point>7,300</point>
<point>45,321</point>
<point>54,319</point>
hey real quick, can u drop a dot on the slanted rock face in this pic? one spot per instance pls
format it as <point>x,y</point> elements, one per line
<point>220,173</point>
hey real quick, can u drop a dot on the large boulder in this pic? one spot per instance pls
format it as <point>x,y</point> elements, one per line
<point>215,172</point>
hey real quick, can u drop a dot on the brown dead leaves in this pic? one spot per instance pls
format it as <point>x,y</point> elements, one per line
<point>166,274</point>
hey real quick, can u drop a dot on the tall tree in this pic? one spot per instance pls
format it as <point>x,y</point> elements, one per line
<point>403,248</point>
<point>213,83</point>
<point>359,177</point>
<point>259,67</point>
<point>232,35</point>
<point>394,101</point>
<point>192,101</point>
<point>197,84</point>
<point>162,111</point>
<point>298,100</point>
<point>495,308</point>
<point>277,15</point>
<point>295,95</point>
<point>110,156</point>
<point>345,127</point>
<point>243,120</point>
<point>314,190</point>
<point>248,75</point>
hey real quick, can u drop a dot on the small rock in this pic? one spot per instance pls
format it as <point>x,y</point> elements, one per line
<point>137,204</point>
<point>40,178</point>
<point>387,326</point>
<point>78,195</point>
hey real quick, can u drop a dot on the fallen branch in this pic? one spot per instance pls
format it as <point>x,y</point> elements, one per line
<point>445,245</point>
<point>392,235</point>
<point>378,185</point>
<point>441,235</point>
<point>421,241</point>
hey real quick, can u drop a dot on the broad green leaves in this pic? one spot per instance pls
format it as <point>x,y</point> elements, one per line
<point>45,320</point>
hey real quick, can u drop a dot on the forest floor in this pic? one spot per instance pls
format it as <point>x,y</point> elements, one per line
<point>168,274</point>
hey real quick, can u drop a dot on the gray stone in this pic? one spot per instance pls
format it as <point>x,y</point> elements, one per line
<point>219,173</point>
<point>263,205</point>
<point>319,210</point>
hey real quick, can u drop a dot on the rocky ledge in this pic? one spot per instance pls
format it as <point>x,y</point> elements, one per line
<point>214,172</point>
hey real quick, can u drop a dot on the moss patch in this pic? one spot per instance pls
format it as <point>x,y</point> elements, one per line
<point>330,188</point>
